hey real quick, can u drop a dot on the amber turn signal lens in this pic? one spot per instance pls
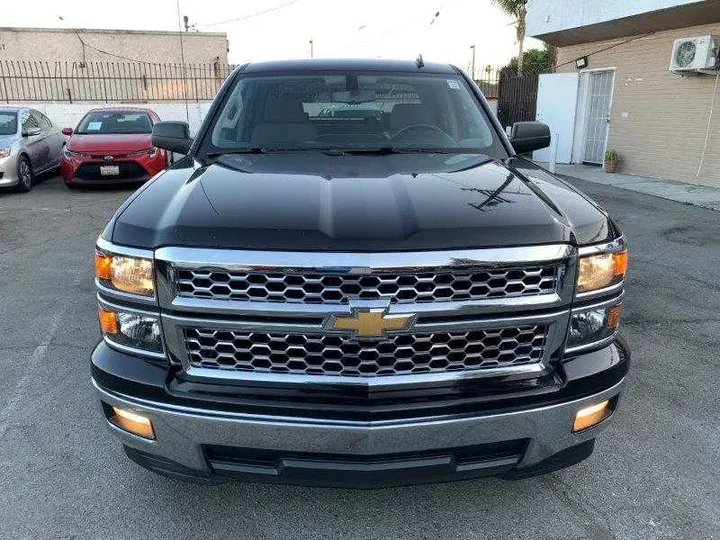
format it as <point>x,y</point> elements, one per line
<point>133,422</point>
<point>103,266</point>
<point>108,321</point>
<point>589,416</point>
<point>620,263</point>
<point>613,317</point>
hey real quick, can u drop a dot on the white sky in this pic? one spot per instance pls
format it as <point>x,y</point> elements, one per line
<point>340,28</point>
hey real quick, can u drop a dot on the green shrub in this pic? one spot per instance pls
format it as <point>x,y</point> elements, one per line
<point>612,155</point>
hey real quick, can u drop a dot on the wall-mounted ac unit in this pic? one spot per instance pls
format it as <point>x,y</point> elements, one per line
<point>696,55</point>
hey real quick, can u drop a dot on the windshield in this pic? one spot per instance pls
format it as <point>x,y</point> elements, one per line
<point>8,123</point>
<point>353,111</point>
<point>105,122</point>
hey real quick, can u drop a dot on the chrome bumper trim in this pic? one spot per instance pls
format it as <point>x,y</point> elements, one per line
<point>180,431</point>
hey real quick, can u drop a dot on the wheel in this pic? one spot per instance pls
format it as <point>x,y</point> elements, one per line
<point>25,175</point>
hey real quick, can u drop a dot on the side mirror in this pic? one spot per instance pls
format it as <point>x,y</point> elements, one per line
<point>528,136</point>
<point>67,131</point>
<point>173,136</point>
<point>31,132</point>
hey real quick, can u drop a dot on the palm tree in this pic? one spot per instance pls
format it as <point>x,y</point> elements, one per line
<point>517,9</point>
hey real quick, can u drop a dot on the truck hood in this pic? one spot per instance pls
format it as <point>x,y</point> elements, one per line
<point>119,143</point>
<point>318,202</point>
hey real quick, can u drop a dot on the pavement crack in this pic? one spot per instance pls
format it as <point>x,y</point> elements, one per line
<point>588,517</point>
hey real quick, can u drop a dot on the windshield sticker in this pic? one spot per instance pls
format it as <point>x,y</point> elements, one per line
<point>452,83</point>
<point>94,126</point>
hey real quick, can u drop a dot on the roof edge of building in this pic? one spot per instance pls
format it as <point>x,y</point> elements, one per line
<point>111,31</point>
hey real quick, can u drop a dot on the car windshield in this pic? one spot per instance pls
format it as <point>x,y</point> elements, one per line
<point>8,123</point>
<point>353,111</point>
<point>105,122</point>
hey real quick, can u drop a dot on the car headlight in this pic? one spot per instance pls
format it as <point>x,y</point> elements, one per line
<point>128,274</point>
<point>4,152</point>
<point>136,330</point>
<point>601,271</point>
<point>72,154</point>
<point>593,325</point>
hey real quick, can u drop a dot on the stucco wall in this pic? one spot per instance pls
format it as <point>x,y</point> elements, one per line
<point>61,45</point>
<point>545,16</point>
<point>658,119</point>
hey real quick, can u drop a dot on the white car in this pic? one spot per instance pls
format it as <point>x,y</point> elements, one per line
<point>30,144</point>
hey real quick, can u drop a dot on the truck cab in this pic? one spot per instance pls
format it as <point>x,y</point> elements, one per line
<point>355,278</point>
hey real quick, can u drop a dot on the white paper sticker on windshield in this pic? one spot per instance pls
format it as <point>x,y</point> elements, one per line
<point>452,83</point>
<point>94,126</point>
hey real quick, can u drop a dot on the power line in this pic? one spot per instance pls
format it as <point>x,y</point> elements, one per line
<point>634,38</point>
<point>251,15</point>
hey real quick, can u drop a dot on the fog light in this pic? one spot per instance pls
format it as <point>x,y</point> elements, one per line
<point>589,416</point>
<point>133,422</point>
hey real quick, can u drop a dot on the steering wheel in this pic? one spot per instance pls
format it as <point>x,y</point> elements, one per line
<point>418,127</point>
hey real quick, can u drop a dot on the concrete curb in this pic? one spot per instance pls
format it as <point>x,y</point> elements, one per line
<point>695,195</point>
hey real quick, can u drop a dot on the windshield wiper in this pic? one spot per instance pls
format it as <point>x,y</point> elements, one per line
<point>388,150</point>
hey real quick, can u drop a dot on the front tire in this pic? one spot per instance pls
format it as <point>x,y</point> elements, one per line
<point>26,178</point>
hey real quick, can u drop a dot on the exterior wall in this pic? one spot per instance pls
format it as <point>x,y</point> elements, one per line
<point>62,45</point>
<point>658,119</point>
<point>69,114</point>
<point>546,16</point>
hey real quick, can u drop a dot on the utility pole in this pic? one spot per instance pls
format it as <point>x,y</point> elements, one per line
<point>472,47</point>
<point>312,51</point>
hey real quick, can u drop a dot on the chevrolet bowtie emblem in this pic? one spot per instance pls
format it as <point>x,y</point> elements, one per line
<point>369,323</point>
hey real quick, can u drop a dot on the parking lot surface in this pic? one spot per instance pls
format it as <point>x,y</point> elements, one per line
<point>654,474</point>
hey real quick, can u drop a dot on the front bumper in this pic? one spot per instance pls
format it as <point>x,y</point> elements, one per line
<point>8,170</point>
<point>207,444</point>
<point>86,172</point>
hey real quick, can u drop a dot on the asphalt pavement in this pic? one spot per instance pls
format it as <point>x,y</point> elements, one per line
<point>655,473</point>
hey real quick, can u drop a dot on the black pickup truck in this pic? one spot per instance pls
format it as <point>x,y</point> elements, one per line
<point>353,278</point>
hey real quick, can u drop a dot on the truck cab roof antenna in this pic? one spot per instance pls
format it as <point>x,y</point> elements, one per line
<point>419,61</point>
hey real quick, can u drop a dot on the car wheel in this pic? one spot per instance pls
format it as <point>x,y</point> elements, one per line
<point>25,175</point>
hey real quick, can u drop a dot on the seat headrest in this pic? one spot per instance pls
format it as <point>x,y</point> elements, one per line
<point>284,110</point>
<point>408,114</point>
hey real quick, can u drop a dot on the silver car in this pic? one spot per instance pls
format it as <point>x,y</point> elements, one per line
<point>30,144</point>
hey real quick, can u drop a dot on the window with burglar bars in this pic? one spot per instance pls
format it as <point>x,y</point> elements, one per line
<point>109,81</point>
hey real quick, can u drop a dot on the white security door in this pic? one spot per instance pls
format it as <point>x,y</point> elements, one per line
<point>556,103</point>
<point>597,115</point>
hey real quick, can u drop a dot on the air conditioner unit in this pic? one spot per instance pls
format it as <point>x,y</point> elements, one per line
<point>696,55</point>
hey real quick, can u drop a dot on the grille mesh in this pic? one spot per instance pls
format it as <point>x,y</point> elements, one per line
<point>321,354</point>
<point>339,288</point>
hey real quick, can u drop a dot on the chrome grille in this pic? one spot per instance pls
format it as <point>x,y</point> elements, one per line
<point>402,354</point>
<point>402,288</point>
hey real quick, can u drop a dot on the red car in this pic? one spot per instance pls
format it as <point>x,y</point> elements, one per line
<point>111,146</point>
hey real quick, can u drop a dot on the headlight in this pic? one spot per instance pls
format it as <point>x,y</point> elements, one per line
<point>129,274</point>
<point>150,152</point>
<point>139,331</point>
<point>72,154</point>
<point>600,271</point>
<point>4,152</point>
<point>592,325</point>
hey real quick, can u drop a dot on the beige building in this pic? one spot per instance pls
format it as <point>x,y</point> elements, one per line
<point>615,89</point>
<point>51,65</point>
<point>87,45</point>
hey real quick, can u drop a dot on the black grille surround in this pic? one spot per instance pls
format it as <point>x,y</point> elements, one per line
<point>401,354</point>
<point>400,288</point>
<point>129,171</point>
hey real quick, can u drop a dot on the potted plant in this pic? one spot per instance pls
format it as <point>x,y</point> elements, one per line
<point>612,158</point>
